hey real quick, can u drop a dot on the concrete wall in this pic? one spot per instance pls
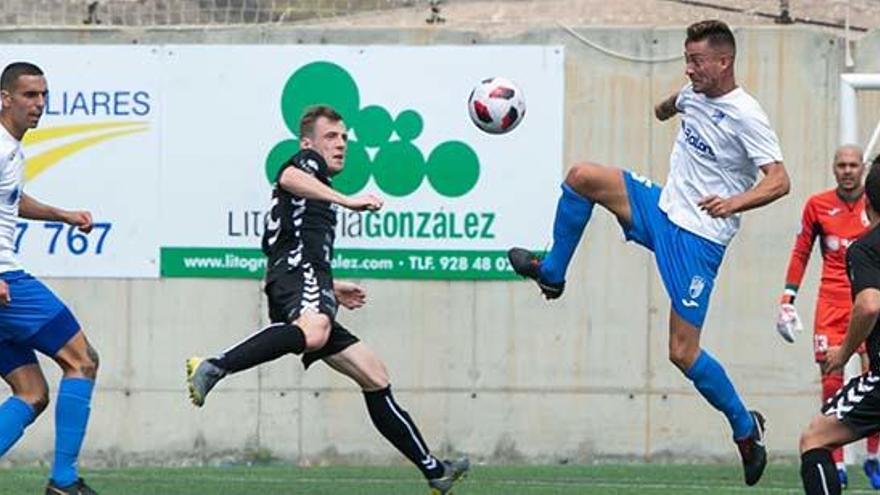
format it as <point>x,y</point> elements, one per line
<point>489,368</point>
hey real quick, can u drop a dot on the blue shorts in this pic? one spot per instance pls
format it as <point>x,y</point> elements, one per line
<point>687,262</point>
<point>34,319</point>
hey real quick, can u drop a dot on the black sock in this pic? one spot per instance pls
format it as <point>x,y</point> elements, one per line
<point>395,425</point>
<point>268,344</point>
<point>818,473</point>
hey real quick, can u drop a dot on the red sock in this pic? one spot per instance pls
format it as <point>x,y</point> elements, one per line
<point>873,442</point>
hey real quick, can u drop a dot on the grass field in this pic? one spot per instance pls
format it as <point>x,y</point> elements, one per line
<point>484,480</point>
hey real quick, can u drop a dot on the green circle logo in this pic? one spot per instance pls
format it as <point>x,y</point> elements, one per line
<point>398,166</point>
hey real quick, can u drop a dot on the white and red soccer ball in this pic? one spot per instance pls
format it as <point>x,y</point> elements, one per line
<point>496,105</point>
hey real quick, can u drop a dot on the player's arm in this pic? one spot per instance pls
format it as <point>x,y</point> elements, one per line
<point>31,209</point>
<point>788,322</point>
<point>666,109</point>
<point>774,185</point>
<point>800,253</point>
<point>349,294</point>
<point>304,185</point>
<point>863,265</point>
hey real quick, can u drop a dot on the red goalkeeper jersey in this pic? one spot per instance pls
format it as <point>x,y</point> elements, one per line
<point>837,224</point>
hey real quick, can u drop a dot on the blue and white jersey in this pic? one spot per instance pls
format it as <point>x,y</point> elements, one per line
<point>721,145</point>
<point>11,169</point>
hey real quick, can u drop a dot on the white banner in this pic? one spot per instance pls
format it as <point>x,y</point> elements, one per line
<point>96,148</point>
<point>192,134</point>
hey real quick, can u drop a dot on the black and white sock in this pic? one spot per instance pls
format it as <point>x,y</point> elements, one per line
<point>267,344</point>
<point>397,426</point>
<point>818,473</point>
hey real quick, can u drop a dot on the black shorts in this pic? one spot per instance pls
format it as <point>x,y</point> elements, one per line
<point>293,291</point>
<point>857,404</point>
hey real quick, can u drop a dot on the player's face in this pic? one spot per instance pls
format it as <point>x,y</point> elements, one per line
<point>25,102</point>
<point>705,65</point>
<point>848,169</point>
<point>330,139</point>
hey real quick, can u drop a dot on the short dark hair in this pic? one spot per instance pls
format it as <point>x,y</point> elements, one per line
<point>15,70</point>
<point>312,114</point>
<point>717,32</point>
<point>876,160</point>
<point>872,188</point>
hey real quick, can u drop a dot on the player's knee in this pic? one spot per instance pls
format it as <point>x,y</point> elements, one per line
<point>681,356</point>
<point>316,329</point>
<point>316,336</point>
<point>88,364</point>
<point>81,364</point>
<point>582,176</point>
<point>807,440</point>
<point>38,400</point>
<point>810,438</point>
<point>92,362</point>
<point>377,377</point>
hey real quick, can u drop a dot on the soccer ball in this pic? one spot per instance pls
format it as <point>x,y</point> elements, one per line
<point>496,105</point>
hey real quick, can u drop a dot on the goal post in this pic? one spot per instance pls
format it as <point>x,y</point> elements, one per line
<point>849,112</point>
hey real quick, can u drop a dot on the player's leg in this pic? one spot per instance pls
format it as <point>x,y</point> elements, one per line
<point>51,329</point>
<point>818,471</point>
<point>30,393</point>
<point>688,265</point>
<point>872,463</point>
<point>585,185</point>
<point>361,364</point>
<point>298,327</point>
<point>831,383</point>
<point>712,382</point>
<point>707,374</point>
<point>79,365</point>
<point>307,332</point>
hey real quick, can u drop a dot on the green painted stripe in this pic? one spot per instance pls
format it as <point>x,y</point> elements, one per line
<point>204,262</point>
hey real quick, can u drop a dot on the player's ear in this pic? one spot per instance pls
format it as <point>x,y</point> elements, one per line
<point>305,143</point>
<point>726,59</point>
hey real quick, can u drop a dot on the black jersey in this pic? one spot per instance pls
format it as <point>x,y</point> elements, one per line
<point>299,231</point>
<point>863,269</point>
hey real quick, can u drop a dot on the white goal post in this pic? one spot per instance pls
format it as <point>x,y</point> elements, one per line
<point>849,134</point>
<point>849,113</point>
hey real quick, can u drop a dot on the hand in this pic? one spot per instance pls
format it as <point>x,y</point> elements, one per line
<point>349,295</point>
<point>834,360</point>
<point>5,296</point>
<point>717,207</point>
<point>788,323</point>
<point>364,202</point>
<point>80,218</point>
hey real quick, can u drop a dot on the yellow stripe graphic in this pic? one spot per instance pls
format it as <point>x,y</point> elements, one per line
<point>38,164</point>
<point>35,136</point>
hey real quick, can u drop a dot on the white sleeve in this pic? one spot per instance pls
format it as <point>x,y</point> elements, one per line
<point>685,91</point>
<point>759,139</point>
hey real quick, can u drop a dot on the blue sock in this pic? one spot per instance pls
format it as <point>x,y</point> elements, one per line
<point>572,214</point>
<point>15,416</point>
<point>71,417</point>
<point>713,384</point>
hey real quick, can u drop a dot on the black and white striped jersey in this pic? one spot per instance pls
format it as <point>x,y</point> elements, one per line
<point>863,270</point>
<point>299,231</point>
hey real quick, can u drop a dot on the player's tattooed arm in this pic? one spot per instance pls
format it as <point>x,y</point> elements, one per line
<point>31,209</point>
<point>301,184</point>
<point>665,110</point>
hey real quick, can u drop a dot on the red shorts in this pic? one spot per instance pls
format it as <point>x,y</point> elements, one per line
<point>830,322</point>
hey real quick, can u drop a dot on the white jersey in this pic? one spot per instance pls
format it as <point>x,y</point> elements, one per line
<point>11,169</point>
<point>719,148</point>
